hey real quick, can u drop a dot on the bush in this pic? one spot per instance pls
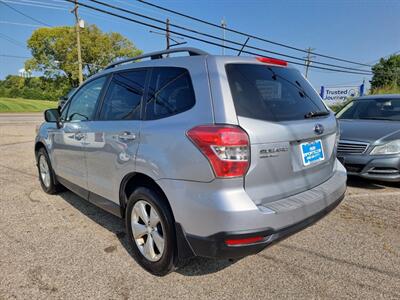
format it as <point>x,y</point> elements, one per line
<point>386,90</point>
<point>34,88</point>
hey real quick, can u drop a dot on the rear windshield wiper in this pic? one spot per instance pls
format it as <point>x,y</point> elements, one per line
<point>297,85</point>
<point>314,114</point>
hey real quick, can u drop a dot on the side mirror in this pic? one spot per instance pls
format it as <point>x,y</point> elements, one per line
<point>52,115</point>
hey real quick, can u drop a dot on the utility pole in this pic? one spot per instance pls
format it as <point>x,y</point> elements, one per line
<point>223,24</point>
<point>78,42</point>
<point>167,34</point>
<point>308,59</point>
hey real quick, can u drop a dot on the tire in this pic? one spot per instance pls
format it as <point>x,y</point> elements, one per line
<point>148,217</point>
<point>48,181</point>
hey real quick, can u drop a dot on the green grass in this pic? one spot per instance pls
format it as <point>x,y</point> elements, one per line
<point>10,105</point>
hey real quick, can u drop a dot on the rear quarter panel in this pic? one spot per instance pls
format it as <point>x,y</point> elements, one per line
<point>165,152</point>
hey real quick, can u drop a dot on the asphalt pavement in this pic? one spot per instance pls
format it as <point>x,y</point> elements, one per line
<point>61,247</point>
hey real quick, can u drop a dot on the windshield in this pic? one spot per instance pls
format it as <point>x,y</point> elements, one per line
<point>372,109</point>
<point>272,93</point>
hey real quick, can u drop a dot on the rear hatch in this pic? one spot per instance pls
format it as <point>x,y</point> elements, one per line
<point>292,134</point>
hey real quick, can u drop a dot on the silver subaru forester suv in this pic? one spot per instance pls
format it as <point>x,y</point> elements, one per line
<point>203,155</point>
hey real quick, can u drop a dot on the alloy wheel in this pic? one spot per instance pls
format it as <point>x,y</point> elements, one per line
<point>147,230</point>
<point>44,171</point>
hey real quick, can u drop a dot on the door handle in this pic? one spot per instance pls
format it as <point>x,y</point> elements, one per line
<point>127,136</point>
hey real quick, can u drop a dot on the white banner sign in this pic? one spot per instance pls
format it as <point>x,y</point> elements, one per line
<point>334,95</point>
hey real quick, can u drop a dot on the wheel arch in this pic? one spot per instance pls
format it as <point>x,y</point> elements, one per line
<point>133,180</point>
<point>128,185</point>
<point>38,145</point>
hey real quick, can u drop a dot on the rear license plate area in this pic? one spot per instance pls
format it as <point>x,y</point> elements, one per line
<point>312,152</point>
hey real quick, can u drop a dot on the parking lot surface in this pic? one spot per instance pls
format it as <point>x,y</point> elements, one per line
<point>62,247</point>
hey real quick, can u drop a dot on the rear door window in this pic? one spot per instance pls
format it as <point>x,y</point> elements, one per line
<point>271,93</point>
<point>124,95</point>
<point>170,93</point>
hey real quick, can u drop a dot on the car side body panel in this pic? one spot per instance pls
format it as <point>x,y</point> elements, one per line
<point>109,155</point>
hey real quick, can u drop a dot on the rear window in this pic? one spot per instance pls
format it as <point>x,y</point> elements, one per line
<point>271,93</point>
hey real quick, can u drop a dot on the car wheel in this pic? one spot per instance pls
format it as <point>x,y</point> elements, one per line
<point>151,231</point>
<point>46,174</point>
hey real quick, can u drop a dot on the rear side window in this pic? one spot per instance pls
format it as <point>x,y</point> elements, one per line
<point>271,93</point>
<point>124,95</point>
<point>170,93</point>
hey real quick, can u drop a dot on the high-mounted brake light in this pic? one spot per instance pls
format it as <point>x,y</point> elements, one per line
<point>226,148</point>
<point>272,61</point>
<point>244,241</point>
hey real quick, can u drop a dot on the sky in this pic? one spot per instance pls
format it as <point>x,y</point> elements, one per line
<point>357,30</point>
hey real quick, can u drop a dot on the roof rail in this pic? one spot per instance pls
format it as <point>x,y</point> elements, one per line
<point>159,55</point>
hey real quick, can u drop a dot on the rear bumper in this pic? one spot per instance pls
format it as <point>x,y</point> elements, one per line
<point>214,246</point>
<point>209,213</point>
<point>383,167</point>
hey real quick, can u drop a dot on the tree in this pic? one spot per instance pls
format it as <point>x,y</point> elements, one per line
<point>386,73</point>
<point>54,51</point>
<point>45,88</point>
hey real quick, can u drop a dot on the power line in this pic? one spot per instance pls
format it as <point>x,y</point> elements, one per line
<point>11,40</point>
<point>43,3</point>
<point>170,37</point>
<point>58,1</point>
<point>128,19</point>
<point>223,39</point>
<point>200,39</point>
<point>25,15</point>
<point>376,60</point>
<point>19,24</point>
<point>85,12</point>
<point>35,5</point>
<point>250,35</point>
<point>64,8</point>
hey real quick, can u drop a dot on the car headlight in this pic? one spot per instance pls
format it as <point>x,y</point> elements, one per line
<point>392,147</point>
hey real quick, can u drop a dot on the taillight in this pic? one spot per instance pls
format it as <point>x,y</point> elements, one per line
<point>272,61</point>
<point>225,146</point>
